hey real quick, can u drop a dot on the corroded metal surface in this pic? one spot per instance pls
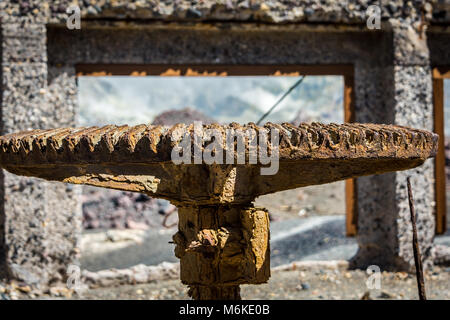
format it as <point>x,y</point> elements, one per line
<point>139,158</point>
<point>221,247</point>
<point>149,144</point>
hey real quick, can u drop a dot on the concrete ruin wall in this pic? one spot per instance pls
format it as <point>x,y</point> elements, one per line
<point>40,221</point>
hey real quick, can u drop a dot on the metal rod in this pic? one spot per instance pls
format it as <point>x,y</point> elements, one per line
<point>281,99</point>
<point>416,249</point>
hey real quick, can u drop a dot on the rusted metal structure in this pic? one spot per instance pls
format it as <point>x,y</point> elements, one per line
<point>392,74</point>
<point>223,240</point>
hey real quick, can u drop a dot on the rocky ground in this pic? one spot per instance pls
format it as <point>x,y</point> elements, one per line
<point>113,209</point>
<point>310,240</point>
<point>328,199</point>
<point>296,284</point>
<point>311,283</point>
<point>186,116</point>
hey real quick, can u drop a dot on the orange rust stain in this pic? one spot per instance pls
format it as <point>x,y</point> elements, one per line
<point>278,73</point>
<point>138,74</point>
<point>171,72</point>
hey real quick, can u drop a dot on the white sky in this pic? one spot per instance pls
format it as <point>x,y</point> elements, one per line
<point>134,100</point>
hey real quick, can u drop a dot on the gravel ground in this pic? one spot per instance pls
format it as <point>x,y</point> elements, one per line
<point>313,284</point>
<point>327,199</point>
<point>126,248</point>
<point>309,238</point>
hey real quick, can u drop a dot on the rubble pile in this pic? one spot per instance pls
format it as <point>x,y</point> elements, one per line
<point>186,116</point>
<point>112,209</point>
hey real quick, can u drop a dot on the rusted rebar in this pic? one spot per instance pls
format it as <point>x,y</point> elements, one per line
<point>416,249</point>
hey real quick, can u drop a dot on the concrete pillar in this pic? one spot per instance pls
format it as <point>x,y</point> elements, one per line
<point>384,227</point>
<point>39,220</point>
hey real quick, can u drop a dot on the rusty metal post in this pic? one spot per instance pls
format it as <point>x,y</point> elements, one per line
<point>221,247</point>
<point>416,249</point>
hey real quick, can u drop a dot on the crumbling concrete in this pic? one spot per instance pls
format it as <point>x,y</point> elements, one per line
<point>410,103</point>
<point>39,221</point>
